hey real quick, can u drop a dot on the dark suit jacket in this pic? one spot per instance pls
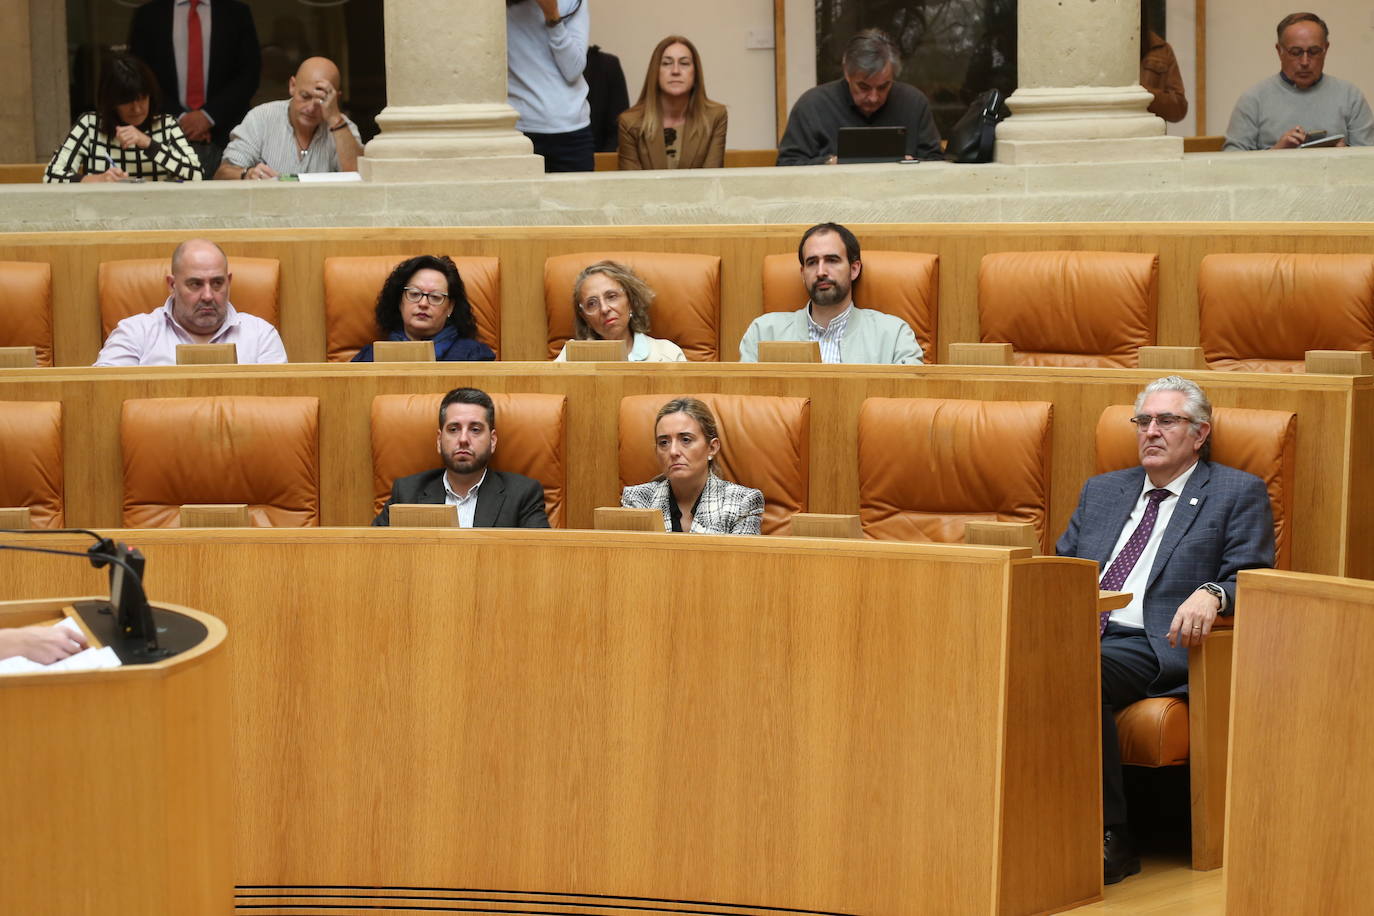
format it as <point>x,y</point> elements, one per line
<point>607,96</point>
<point>235,60</point>
<point>1229,528</point>
<point>700,149</point>
<point>506,500</point>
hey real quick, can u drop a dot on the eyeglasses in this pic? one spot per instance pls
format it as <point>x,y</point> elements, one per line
<point>1165,421</point>
<point>1298,53</point>
<point>413,296</point>
<point>593,305</point>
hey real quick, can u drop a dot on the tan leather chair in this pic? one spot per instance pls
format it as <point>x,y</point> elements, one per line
<point>351,287</point>
<point>686,308</point>
<point>26,307</point>
<point>1069,308</point>
<point>901,283</point>
<point>262,451</point>
<point>531,439</point>
<point>928,465</point>
<point>1169,731</point>
<point>132,287</point>
<point>1262,312</point>
<point>31,460</point>
<point>764,443</point>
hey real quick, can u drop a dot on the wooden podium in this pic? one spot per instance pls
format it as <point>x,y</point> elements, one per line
<point>116,782</point>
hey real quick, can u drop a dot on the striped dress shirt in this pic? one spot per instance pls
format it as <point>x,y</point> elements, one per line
<point>829,337</point>
<point>266,136</point>
<point>88,151</point>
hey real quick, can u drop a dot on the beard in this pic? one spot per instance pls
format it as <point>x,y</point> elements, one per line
<point>467,465</point>
<point>837,293</point>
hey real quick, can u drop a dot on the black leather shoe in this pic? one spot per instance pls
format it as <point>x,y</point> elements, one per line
<point>1118,857</point>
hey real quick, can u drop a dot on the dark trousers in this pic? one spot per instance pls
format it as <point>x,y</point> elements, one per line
<point>210,155</point>
<point>574,151</point>
<point>1129,666</point>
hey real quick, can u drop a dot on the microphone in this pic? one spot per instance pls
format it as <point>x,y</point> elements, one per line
<point>133,616</point>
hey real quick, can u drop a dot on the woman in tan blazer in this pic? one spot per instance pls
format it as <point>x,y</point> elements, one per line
<point>673,125</point>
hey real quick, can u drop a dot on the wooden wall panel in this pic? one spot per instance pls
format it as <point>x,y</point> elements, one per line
<point>600,713</point>
<point>522,250</point>
<point>1301,801</point>
<point>1333,503</point>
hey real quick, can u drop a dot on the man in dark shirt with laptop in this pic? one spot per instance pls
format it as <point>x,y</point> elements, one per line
<point>868,96</point>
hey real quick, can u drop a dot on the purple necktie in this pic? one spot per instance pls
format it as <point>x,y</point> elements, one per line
<point>1125,561</point>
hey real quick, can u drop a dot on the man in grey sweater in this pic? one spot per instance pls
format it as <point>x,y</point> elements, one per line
<point>830,266</point>
<point>1284,110</point>
<point>868,96</point>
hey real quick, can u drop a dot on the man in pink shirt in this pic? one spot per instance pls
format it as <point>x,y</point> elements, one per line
<point>197,311</point>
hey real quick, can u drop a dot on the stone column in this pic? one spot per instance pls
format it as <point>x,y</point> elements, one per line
<point>446,116</point>
<point>1079,97</point>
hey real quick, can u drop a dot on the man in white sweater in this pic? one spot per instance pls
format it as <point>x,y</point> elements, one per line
<point>1284,110</point>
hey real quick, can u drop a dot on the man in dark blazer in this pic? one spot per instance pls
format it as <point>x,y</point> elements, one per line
<point>1174,532</point>
<point>232,69</point>
<point>486,498</point>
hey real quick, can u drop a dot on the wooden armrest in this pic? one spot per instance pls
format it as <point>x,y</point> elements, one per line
<point>1111,601</point>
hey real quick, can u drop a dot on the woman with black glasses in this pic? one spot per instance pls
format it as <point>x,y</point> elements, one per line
<point>424,299</point>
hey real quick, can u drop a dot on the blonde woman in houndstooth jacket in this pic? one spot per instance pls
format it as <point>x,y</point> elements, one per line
<point>687,491</point>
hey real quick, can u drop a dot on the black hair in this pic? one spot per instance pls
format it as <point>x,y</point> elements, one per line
<point>124,78</point>
<point>851,243</point>
<point>389,300</point>
<point>468,396</point>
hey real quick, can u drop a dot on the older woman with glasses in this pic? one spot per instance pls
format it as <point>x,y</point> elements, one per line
<point>611,303</point>
<point>424,299</point>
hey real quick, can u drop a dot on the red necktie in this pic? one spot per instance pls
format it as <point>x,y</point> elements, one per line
<point>1125,561</point>
<point>195,61</point>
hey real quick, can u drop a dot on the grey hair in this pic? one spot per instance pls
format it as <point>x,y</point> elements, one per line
<point>1194,401</point>
<point>869,52</point>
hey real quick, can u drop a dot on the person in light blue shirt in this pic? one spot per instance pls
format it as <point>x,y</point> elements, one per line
<point>546,54</point>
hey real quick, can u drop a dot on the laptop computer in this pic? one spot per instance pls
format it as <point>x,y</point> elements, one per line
<point>870,144</point>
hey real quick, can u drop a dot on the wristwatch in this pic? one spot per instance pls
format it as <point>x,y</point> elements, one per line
<point>1216,591</point>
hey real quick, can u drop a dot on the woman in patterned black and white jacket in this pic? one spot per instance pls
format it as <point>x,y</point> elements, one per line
<point>125,137</point>
<point>687,491</point>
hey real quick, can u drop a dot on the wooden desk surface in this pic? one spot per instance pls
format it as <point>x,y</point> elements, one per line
<point>847,727</point>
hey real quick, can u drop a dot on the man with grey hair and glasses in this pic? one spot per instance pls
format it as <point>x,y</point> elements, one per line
<point>1173,531</point>
<point>1288,109</point>
<point>868,96</point>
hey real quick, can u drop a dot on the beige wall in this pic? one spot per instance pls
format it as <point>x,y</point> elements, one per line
<point>1240,47</point>
<point>736,76</point>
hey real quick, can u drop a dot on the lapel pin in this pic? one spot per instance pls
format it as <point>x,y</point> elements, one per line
<point>1193,501</point>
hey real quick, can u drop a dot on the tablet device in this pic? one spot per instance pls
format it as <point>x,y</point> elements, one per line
<point>870,144</point>
<point>1324,140</point>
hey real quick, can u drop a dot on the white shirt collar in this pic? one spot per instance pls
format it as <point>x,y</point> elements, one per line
<point>1174,486</point>
<point>472,494</point>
